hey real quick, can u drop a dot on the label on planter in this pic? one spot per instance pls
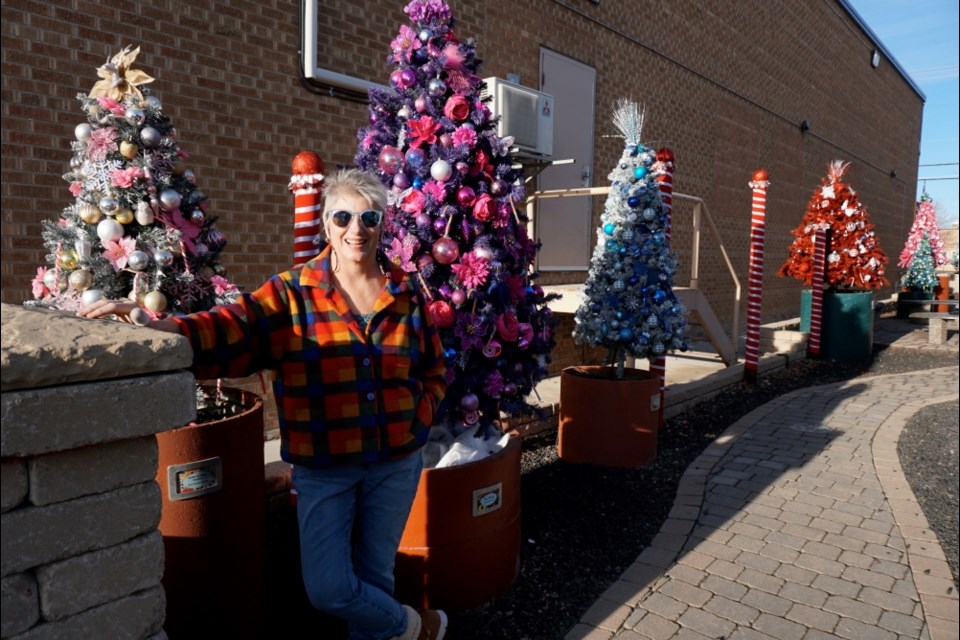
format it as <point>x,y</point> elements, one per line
<point>194,479</point>
<point>655,402</point>
<point>488,499</point>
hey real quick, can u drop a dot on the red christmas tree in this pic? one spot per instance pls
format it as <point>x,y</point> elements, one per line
<point>854,257</point>
<point>924,224</point>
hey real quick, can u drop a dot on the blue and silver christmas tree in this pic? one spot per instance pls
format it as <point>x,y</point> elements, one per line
<point>630,307</point>
<point>921,274</point>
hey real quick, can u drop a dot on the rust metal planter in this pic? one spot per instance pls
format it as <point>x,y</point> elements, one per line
<point>461,545</point>
<point>606,421</point>
<point>213,523</point>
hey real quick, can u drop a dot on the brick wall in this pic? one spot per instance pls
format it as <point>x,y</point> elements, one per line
<point>725,85</point>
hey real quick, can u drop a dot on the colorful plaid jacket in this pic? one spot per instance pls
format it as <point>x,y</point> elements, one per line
<point>344,396</point>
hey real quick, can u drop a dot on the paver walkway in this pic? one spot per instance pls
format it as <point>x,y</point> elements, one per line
<point>796,524</point>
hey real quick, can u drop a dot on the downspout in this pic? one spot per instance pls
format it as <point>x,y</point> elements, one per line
<point>324,81</point>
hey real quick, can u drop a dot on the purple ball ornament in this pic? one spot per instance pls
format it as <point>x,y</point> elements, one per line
<point>471,418</point>
<point>420,104</point>
<point>390,160</point>
<point>401,181</point>
<point>466,196</point>
<point>510,389</point>
<point>445,291</point>
<point>469,402</point>
<point>463,168</point>
<point>445,250</point>
<point>458,297</point>
<point>403,79</point>
<point>492,349</point>
<point>415,158</point>
<point>423,220</point>
<point>439,226</point>
<point>424,260</point>
<point>498,187</point>
<point>446,140</point>
<point>484,252</point>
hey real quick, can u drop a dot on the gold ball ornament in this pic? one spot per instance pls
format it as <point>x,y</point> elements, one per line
<point>80,280</point>
<point>67,259</point>
<point>129,150</point>
<point>155,301</point>
<point>179,168</point>
<point>89,213</point>
<point>123,216</point>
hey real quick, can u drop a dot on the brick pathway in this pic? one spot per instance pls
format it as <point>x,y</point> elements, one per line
<point>796,524</point>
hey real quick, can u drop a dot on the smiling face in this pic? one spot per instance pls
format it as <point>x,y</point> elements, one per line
<point>356,243</point>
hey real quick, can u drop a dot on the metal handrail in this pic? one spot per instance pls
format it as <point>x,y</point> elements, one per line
<point>699,209</point>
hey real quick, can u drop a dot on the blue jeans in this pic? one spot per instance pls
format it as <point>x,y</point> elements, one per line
<point>351,520</point>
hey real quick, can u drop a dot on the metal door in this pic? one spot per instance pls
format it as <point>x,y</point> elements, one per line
<point>564,224</point>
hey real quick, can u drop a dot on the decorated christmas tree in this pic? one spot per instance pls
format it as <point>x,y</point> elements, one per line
<point>629,306</point>
<point>138,226</point>
<point>854,257</point>
<point>452,219</point>
<point>921,274</point>
<point>924,226</point>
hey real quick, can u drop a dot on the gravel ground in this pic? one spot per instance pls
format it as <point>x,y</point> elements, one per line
<point>928,452</point>
<point>583,524</point>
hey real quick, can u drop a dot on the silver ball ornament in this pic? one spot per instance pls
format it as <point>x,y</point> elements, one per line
<point>436,87</point>
<point>134,116</point>
<point>163,257</point>
<point>83,131</point>
<point>139,317</point>
<point>649,215</point>
<point>197,217</point>
<point>90,296</point>
<point>109,205</point>
<point>153,102</point>
<point>190,176</point>
<point>138,260</point>
<point>169,200</point>
<point>149,136</point>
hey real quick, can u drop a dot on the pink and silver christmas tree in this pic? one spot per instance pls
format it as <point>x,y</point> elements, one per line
<point>924,226</point>
<point>452,218</point>
<point>138,227</point>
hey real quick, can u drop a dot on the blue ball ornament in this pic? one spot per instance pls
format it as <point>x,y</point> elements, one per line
<point>632,149</point>
<point>626,334</point>
<point>659,296</point>
<point>417,182</point>
<point>633,280</point>
<point>613,246</point>
<point>622,250</point>
<point>633,202</point>
<point>639,172</point>
<point>609,228</point>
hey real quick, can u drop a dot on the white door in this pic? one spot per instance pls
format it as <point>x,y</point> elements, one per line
<point>564,224</point>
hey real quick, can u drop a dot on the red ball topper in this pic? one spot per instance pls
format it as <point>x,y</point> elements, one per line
<point>306,163</point>
<point>760,175</point>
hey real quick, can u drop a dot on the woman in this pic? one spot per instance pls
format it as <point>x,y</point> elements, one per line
<point>359,371</point>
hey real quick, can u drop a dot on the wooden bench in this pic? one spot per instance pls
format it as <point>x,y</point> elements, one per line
<point>939,324</point>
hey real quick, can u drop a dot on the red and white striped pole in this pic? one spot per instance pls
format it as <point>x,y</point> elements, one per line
<point>306,183</point>
<point>816,294</point>
<point>664,176</point>
<point>758,224</point>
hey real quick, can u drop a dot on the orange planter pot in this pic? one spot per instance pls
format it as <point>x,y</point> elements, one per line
<point>461,545</point>
<point>606,421</point>
<point>213,524</point>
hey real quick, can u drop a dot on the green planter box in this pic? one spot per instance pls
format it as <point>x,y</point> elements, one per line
<point>847,323</point>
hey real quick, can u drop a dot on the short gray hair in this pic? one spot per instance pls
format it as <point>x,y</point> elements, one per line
<point>353,181</point>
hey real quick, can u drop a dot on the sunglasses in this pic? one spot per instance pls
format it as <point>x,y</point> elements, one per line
<point>342,218</point>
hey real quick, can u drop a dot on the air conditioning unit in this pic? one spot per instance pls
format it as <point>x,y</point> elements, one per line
<point>525,114</point>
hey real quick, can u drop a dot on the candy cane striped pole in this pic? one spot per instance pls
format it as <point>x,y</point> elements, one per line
<point>664,176</point>
<point>305,183</point>
<point>816,297</point>
<point>758,223</point>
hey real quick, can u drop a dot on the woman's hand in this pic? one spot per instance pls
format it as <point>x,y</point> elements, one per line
<point>126,311</point>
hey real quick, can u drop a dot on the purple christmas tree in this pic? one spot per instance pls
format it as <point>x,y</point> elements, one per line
<point>452,218</point>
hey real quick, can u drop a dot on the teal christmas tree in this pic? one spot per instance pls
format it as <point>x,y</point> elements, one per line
<point>921,274</point>
<point>630,307</point>
<point>453,220</point>
<point>138,227</point>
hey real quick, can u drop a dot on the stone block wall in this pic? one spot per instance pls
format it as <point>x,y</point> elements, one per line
<point>81,554</point>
